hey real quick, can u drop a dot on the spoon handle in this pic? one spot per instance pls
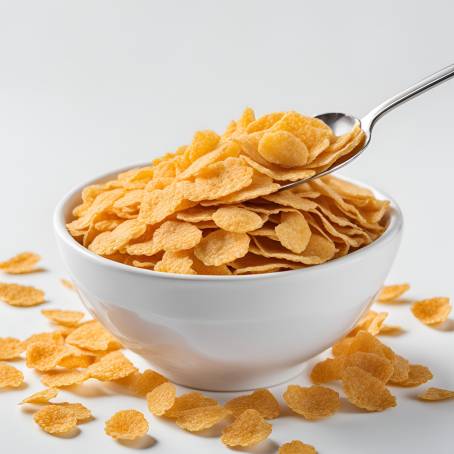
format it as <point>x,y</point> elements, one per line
<point>368,121</point>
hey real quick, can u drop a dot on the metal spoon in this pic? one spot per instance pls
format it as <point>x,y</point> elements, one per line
<point>342,123</point>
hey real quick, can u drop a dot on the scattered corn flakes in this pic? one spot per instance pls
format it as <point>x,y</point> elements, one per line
<point>261,400</point>
<point>189,401</point>
<point>112,366</point>
<point>366,391</point>
<point>296,447</point>
<point>401,370</point>
<point>11,348</point>
<point>60,378</point>
<point>201,418</point>
<point>82,413</point>
<point>75,358</point>
<point>314,402</point>
<point>41,397</point>
<point>44,356</point>
<point>22,263</point>
<point>141,383</point>
<point>55,419</point>
<point>54,336</point>
<point>327,370</point>
<point>433,394</point>
<point>126,425</point>
<point>21,295</point>
<point>161,398</point>
<point>417,375</point>
<point>392,292</point>
<point>432,311</point>
<point>376,365</point>
<point>248,429</point>
<point>10,376</point>
<point>62,317</point>
<point>94,337</point>
<point>390,330</point>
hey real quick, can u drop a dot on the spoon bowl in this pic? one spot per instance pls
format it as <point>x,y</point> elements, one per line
<point>341,123</point>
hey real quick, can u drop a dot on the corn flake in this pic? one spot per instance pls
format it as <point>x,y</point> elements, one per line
<point>283,148</point>
<point>161,399</point>
<point>93,336</point>
<point>62,317</point>
<point>189,401</point>
<point>293,232</point>
<point>11,348</point>
<point>10,376</point>
<point>221,247</point>
<point>44,356</point>
<point>176,236</point>
<point>237,219</point>
<point>112,366</point>
<point>41,397</point>
<point>141,383</point>
<point>374,364</point>
<point>22,263</point>
<point>433,394</point>
<point>261,400</point>
<point>55,419</point>
<point>327,370</point>
<point>432,311</point>
<point>312,403</point>
<point>417,375</point>
<point>296,447</point>
<point>21,295</point>
<point>201,418</point>
<point>366,391</point>
<point>59,378</point>
<point>392,292</point>
<point>126,425</point>
<point>248,429</point>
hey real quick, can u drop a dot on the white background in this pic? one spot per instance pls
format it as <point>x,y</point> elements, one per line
<point>89,86</point>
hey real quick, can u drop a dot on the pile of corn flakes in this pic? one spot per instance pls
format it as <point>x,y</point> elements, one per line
<point>212,207</point>
<point>77,350</point>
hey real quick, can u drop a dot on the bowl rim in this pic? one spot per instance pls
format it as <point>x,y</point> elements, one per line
<point>394,227</point>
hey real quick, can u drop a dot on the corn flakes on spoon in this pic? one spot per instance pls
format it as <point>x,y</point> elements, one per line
<point>341,123</point>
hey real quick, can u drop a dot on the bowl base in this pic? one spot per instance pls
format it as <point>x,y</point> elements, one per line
<point>243,383</point>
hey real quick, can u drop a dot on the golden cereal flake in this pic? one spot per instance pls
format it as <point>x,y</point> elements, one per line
<point>261,400</point>
<point>432,311</point>
<point>392,292</point>
<point>296,447</point>
<point>22,263</point>
<point>201,418</point>
<point>21,295</point>
<point>434,394</point>
<point>55,419</point>
<point>314,402</point>
<point>11,348</point>
<point>366,391</point>
<point>63,317</point>
<point>41,397</point>
<point>161,398</point>
<point>10,376</point>
<point>248,429</point>
<point>112,366</point>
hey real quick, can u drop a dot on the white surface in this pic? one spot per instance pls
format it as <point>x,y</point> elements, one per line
<point>213,332</point>
<point>90,86</point>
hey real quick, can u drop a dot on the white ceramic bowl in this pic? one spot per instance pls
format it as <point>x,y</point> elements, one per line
<point>228,333</point>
